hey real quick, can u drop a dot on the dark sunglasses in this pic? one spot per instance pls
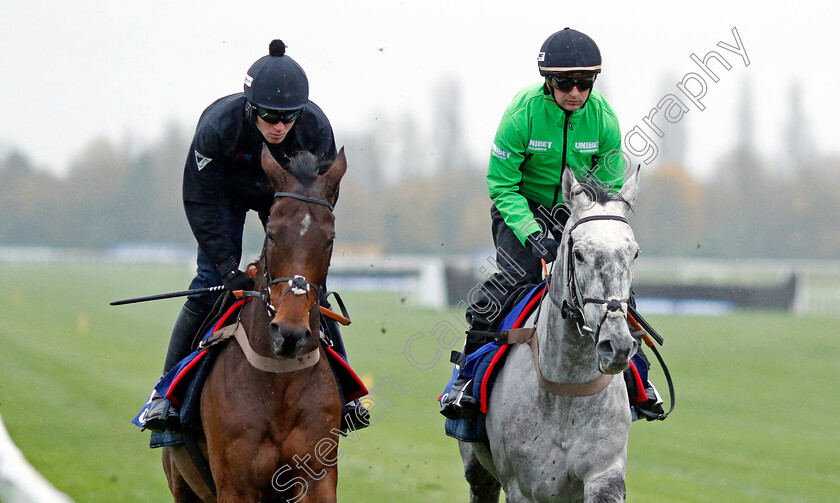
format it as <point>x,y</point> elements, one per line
<point>275,116</point>
<point>565,85</point>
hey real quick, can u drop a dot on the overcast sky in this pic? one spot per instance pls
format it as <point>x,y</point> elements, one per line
<point>72,71</point>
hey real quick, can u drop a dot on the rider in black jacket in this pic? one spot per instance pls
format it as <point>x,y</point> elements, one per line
<point>223,180</point>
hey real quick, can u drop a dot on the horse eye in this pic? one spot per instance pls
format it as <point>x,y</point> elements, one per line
<point>637,254</point>
<point>578,256</point>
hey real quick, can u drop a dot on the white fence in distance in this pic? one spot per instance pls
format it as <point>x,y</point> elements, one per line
<point>424,278</point>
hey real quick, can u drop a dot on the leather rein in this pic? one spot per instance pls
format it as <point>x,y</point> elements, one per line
<point>573,310</point>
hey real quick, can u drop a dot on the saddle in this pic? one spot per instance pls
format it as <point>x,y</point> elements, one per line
<point>182,385</point>
<point>484,364</point>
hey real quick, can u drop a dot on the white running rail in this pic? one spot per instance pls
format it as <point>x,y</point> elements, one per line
<point>19,482</point>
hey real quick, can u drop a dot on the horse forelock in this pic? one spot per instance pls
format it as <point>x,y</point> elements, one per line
<point>600,193</point>
<point>306,167</point>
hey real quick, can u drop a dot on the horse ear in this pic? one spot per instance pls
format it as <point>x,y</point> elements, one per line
<point>276,173</point>
<point>333,176</point>
<point>631,187</point>
<point>571,189</point>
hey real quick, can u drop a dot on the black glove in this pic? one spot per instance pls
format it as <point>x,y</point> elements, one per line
<point>232,277</point>
<point>237,280</point>
<point>542,246</point>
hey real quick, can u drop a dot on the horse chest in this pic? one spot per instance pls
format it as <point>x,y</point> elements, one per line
<point>542,444</point>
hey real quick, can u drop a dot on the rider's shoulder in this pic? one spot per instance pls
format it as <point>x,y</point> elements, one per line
<point>598,104</point>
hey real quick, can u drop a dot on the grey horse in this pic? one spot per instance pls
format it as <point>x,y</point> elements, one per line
<point>558,423</point>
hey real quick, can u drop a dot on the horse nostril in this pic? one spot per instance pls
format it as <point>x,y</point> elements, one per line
<point>288,339</point>
<point>605,349</point>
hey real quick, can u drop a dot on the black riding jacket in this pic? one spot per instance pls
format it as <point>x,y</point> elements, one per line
<point>223,167</point>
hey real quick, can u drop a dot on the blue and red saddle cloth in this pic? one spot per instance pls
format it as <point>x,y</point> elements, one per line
<point>484,364</point>
<point>182,385</point>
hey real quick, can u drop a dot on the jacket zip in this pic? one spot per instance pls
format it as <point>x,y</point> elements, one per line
<point>567,125</point>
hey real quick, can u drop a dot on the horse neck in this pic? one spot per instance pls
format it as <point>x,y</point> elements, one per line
<point>565,355</point>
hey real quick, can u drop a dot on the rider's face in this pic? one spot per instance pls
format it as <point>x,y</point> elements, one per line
<point>572,97</point>
<point>274,133</point>
<point>571,100</point>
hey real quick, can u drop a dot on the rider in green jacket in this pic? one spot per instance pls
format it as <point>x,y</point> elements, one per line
<point>557,124</point>
<point>537,138</point>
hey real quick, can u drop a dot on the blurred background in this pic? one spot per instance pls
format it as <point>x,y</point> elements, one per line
<point>737,215</point>
<point>739,159</point>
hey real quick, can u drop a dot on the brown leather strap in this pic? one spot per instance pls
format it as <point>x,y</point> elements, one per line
<point>528,335</point>
<point>520,335</point>
<point>277,364</point>
<point>334,316</point>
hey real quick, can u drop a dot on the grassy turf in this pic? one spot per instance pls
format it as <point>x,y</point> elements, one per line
<point>756,420</point>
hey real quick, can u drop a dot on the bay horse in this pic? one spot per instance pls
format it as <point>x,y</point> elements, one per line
<point>557,421</point>
<point>271,435</point>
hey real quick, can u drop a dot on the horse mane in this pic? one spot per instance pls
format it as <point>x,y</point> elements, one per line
<point>601,193</point>
<point>306,167</point>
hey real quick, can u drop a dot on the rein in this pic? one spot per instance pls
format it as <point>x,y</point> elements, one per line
<point>614,307</point>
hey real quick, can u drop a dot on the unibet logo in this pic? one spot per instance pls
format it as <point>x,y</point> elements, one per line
<point>586,147</point>
<point>501,154</point>
<point>539,145</point>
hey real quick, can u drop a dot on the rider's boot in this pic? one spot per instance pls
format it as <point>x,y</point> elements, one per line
<point>460,402</point>
<point>651,407</point>
<point>354,415</point>
<point>162,415</point>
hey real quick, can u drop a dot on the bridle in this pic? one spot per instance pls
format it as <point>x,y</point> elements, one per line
<point>574,310</point>
<point>298,285</point>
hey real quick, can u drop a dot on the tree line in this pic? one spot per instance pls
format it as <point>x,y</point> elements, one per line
<point>115,195</point>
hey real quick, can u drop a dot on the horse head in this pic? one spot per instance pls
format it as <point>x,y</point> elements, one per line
<point>599,250</point>
<point>298,247</point>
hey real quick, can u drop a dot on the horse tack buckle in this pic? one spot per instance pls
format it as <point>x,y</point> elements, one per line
<point>577,316</point>
<point>265,297</point>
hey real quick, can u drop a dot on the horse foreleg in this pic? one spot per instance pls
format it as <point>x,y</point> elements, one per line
<point>484,488</point>
<point>606,487</point>
<point>183,477</point>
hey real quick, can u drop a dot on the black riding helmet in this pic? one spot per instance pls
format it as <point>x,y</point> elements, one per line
<point>569,51</point>
<point>276,81</point>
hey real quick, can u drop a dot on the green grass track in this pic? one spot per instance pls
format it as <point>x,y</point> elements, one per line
<point>757,419</point>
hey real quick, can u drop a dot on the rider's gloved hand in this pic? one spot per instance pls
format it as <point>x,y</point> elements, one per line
<point>232,277</point>
<point>542,246</point>
<point>237,280</point>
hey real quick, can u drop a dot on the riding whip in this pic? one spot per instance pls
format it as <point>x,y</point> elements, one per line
<point>169,295</point>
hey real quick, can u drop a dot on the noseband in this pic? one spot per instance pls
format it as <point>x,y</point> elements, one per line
<point>574,310</point>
